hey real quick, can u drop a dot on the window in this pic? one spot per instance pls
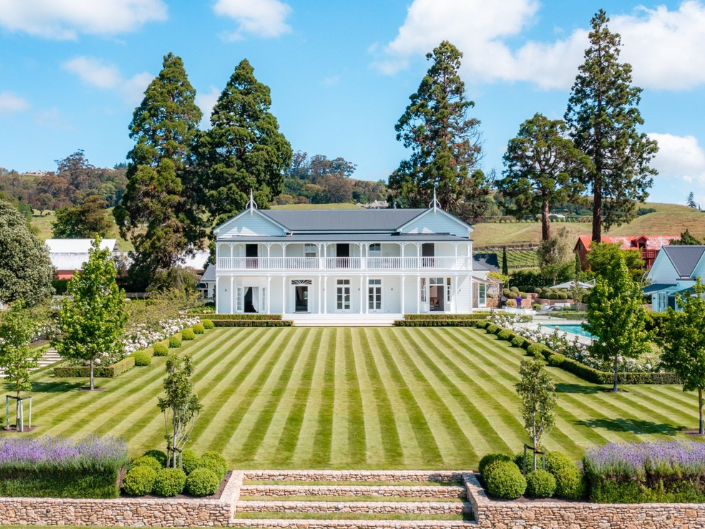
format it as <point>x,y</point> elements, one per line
<point>301,282</point>
<point>375,249</point>
<point>436,281</point>
<point>310,250</point>
<point>481,295</point>
<point>374,295</point>
<point>448,290</point>
<point>423,289</point>
<point>343,281</point>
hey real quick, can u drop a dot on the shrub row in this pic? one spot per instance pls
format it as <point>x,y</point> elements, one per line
<point>252,323</point>
<point>434,323</point>
<point>214,317</point>
<point>112,371</point>
<point>444,317</point>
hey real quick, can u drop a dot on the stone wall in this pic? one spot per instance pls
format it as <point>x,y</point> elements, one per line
<point>440,476</point>
<point>421,491</point>
<point>428,507</point>
<point>502,514</point>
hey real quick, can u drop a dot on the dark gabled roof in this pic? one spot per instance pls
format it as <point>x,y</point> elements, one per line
<point>485,261</point>
<point>355,237</point>
<point>684,258</point>
<point>342,219</point>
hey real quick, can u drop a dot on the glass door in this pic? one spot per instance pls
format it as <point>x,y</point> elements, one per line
<point>374,295</point>
<point>343,295</point>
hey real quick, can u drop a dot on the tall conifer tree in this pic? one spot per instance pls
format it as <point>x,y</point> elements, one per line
<point>159,211</point>
<point>443,138</point>
<point>244,149</point>
<point>603,117</point>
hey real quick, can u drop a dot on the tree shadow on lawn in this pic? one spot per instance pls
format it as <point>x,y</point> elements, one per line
<point>577,388</point>
<point>56,387</point>
<point>636,426</point>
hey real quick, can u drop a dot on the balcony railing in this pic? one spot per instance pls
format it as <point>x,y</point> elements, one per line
<point>344,263</point>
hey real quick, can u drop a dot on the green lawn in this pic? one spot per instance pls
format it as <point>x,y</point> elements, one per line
<point>356,398</point>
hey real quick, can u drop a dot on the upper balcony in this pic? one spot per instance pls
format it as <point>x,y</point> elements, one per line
<point>283,264</point>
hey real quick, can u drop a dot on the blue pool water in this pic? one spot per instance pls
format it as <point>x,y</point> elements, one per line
<point>574,329</point>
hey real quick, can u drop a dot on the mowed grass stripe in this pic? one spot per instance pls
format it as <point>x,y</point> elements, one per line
<point>322,446</point>
<point>426,441</point>
<point>364,439</point>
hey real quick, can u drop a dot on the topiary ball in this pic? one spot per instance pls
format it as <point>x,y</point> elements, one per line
<point>207,324</point>
<point>198,328</point>
<point>148,461</point>
<point>504,480</point>
<point>160,349</point>
<point>569,479</point>
<point>188,334</point>
<point>189,460</point>
<point>505,335</point>
<point>215,462</point>
<point>139,480</point>
<point>142,358</point>
<point>556,360</point>
<point>536,349</point>
<point>488,459</point>
<point>202,482</point>
<point>158,455</point>
<point>175,341</point>
<point>169,482</point>
<point>518,341</point>
<point>540,484</point>
<point>492,328</point>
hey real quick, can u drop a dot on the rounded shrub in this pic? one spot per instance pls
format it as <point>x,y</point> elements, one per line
<point>198,328</point>
<point>505,335</point>
<point>215,462</point>
<point>169,482</point>
<point>158,455</point>
<point>492,328</point>
<point>569,479</point>
<point>540,484</point>
<point>515,290</point>
<point>202,482</point>
<point>189,460</point>
<point>175,341</point>
<point>160,349</point>
<point>207,324</point>
<point>504,480</point>
<point>536,349</point>
<point>556,360</point>
<point>147,461</point>
<point>506,293</point>
<point>188,334</point>
<point>142,358</point>
<point>482,324</point>
<point>518,341</point>
<point>139,481</point>
<point>488,459</point>
<point>536,306</point>
<point>519,461</point>
<point>562,295</point>
<point>511,303</point>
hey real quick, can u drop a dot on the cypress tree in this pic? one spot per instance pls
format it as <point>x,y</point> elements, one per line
<point>603,117</point>
<point>159,211</point>
<point>244,149</point>
<point>505,264</point>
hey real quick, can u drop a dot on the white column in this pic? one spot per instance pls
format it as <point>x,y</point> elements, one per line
<point>269,288</point>
<point>217,294</point>
<point>269,264</point>
<point>232,295</point>
<point>455,263</point>
<point>362,293</point>
<point>418,255</point>
<point>319,293</point>
<point>283,295</point>
<point>403,279</point>
<point>418,294</point>
<point>455,294</point>
<point>325,294</point>
<point>365,301</point>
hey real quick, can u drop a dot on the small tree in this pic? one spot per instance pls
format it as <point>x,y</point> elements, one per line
<point>690,201</point>
<point>505,264</point>
<point>686,239</point>
<point>684,344</point>
<point>180,407</point>
<point>616,317</point>
<point>537,401</point>
<point>92,317</point>
<point>554,256</point>
<point>602,257</point>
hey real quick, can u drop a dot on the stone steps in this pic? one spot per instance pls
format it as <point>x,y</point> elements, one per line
<point>442,477</point>
<point>380,507</point>
<point>448,491</point>
<point>349,524</point>
<point>49,357</point>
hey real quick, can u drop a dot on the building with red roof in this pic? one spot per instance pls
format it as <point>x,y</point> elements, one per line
<point>648,246</point>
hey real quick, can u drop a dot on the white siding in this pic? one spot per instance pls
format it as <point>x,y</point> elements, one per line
<point>662,271</point>
<point>438,222</point>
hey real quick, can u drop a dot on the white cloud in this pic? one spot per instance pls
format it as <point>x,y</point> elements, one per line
<point>66,19</point>
<point>663,46</point>
<point>100,74</point>
<point>52,119</point>
<point>331,81</point>
<point>262,18</point>
<point>679,157</point>
<point>11,103</point>
<point>206,102</point>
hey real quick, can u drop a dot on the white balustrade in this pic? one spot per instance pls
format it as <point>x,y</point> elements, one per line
<point>338,263</point>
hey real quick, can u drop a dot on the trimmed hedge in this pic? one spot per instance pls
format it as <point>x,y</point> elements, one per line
<point>115,370</point>
<point>175,341</point>
<point>540,484</point>
<point>518,341</point>
<point>189,460</point>
<point>492,328</point>
<point>482,324</point>
<point>148,461</point>
<point>140,480</point>
<point>142,358</point>
<point>215,462</point>
<point>569,480</point>
<point>504,480</point>
<point>188,334</point>
<point>435,323</point>
<point>169,482</point>
<point>253,323</point>
<point>242,317</point>
<point>202,482</point>
<point>207,324</point>
<point>198,328</point>
<point>488,459</point>
<point>160,349</point>
<point>445,317</point>
<point>158,455</point>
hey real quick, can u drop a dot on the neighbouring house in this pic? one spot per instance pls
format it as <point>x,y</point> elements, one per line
<point>673,272</point>
<point>334,265</point>
<point>206,285</point>
<point>69,255</point>
<point>648,246</point>
<point>487,290</point>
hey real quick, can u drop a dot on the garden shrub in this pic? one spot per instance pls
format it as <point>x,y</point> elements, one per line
<point>140,480</point>
<point>215,462</point>
<point>175,341</point>
<point>169,482</point>
<point>198,328</point>
<point>540,484</point>
<point>429,323</point>
<point>536,306</point>
<point>207,324</point>
<point>488,459</point>
<point>253,323</point>
<point>202,482</point>
<point>518,341</point>
<point>515,290</point>
<point>511,303</point>
<point>482,324</point>
<point>492,328</point>
<point>562,295</point>
<point>160,349</point>
<point>189,460</point>
<point>536,349</point>
<point>556,360</point>
<point>142,358</point>
<point>188,334</point>
<point>111,371</point>
<point>244,317</point>
<point>569,479</point>
<point>147,461</point>
<point>504,335</point>
<point>504,480</point>
<point>158,455</point>
<point>553,295</point>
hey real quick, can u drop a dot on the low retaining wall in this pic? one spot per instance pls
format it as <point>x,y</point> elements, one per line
<point>441,476</point>
<point>422,491</point>
<point>355,507</point>
<point>135,512</point>
<point>502,514</point>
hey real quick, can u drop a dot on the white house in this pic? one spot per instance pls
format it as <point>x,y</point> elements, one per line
<point>69,255</point>
<point>335,265</point>
<point>674,271</point>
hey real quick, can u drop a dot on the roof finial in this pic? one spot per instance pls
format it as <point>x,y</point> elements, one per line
<point>435,203</point>
<point>251,204</point>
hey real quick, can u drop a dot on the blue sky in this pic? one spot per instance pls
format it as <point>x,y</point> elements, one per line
<point>72,71</point>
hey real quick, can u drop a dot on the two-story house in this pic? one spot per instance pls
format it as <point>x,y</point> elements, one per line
<point>340,264</point>
<point>674,271</point>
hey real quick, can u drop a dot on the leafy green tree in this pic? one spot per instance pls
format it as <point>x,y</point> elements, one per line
<point>244,149</point>
<point>443,138</point>
<point>603,117</point>
<point>554,256</point>
<point>684,344</point>
<point>26,210</point>
<point>505,263</point>
<point>686,239</point>
<point>159,211</point>
<point>180,407</point>
<point>92,317</point>
<point>577,267</point>
<point>616,317</point>
<point>25,268</point>
<point>542,167</point>
<point>83,221</point>
<point>603,256</point>
<point>538,399</point>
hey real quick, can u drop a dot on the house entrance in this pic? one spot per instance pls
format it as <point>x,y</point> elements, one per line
<point>374,295</point>
<point>343,295</point>
<point>251,256</point>
<point>436,294</point>
<point>301,298</point>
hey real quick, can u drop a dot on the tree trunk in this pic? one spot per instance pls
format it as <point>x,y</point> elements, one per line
<point>701,429</point>
<point>19,422</point>
<point>545,220</point>
<point>597,210</point>
<point>616,368</point>
<point>92,386</point>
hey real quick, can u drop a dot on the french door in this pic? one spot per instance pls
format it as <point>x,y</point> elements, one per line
<point>342,300</point>
<point>374,295</point>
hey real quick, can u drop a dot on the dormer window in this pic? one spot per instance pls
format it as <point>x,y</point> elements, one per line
<point>375,250</point>
<point>310,250</point>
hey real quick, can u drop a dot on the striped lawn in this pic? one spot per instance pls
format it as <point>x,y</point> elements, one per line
<point>407,398</point>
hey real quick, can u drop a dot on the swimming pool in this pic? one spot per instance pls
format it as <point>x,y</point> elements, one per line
<point>571,328</point>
